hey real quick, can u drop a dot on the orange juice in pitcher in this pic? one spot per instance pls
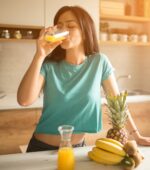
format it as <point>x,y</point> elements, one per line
<point>66,160</point>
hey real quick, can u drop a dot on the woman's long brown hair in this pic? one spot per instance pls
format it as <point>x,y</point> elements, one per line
<point>87,26</point>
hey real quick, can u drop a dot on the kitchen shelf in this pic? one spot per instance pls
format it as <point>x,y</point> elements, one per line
<point>124,43</point>
<point>135,19</point>
<point>16,40</point>
<point>143,21</point>
<point>23,29</point>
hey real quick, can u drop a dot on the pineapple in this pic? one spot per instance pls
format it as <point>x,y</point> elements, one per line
<point>117,112</point>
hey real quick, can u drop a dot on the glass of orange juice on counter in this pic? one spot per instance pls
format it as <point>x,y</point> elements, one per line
<point>66,159</point>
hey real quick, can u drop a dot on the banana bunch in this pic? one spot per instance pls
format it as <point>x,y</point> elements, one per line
<point>107,151</point>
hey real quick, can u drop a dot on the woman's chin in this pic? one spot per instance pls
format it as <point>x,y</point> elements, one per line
<point>65,46</point>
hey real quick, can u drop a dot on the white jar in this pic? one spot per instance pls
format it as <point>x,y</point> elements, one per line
<point>18,34</point>
<point>123,37</point>
<point>103,36</point>
<point>134,38</point>
<point>113,37</point>
<point>143,38</point>
<point>5,34</point>
<point>29,34</point>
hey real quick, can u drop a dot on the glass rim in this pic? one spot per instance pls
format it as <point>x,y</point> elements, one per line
<point>66,127</point>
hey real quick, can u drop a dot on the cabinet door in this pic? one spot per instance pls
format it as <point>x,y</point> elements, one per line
<point>52,6</point>
<point>16,128</point>
<point>22,12</point>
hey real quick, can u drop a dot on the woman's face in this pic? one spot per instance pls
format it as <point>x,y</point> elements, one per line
<point>68,22</point>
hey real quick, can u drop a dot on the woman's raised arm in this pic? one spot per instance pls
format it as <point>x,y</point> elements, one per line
<point>33,81</point>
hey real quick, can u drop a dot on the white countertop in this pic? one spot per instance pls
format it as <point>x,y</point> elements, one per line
<point>10,101</point>
<point>47,160</point>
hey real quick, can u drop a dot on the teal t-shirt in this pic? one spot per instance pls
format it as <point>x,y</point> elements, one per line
<point>72,95</point>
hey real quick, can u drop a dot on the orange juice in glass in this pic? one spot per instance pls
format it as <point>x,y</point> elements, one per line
<point>66,159</point>
<point>58,36</point>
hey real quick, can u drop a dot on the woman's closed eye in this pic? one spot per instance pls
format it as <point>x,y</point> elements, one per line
<point>71,26</point>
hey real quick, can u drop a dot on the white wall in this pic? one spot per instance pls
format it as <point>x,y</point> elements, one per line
<point>15,58</point>
<point>130,60</point>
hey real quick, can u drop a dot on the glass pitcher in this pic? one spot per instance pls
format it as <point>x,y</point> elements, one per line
<point>66,160</point>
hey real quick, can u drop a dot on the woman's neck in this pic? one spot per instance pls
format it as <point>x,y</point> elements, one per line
<point>75,57</point>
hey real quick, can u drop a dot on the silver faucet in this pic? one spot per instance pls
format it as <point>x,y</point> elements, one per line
<point>2,94</point>
<point>128,76</point>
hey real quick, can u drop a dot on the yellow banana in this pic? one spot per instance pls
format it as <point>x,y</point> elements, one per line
<point>108,156</point>
<point>111,147</point>
<point>98,160</point>
<point>112,141</point>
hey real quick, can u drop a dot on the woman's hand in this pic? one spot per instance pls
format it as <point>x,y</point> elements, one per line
<point>43,47</point>
<point>141,140</point>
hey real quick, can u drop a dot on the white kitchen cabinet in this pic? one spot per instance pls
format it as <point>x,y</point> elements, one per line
<point>52,6</point>
<point>22,12</point>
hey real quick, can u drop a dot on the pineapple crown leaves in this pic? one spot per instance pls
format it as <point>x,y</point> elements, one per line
<point>118,103</point>
<point>117,109</point>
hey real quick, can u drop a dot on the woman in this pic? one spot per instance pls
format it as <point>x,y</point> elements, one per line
<point>70,73</point>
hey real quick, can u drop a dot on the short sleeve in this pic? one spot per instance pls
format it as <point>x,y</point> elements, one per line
<point>107,67</point>
<point>43,70</point>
